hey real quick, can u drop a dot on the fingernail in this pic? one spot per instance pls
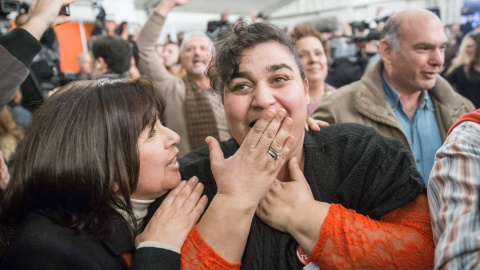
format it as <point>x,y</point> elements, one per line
<point>282,112</point>
<point>199,185</point>
<point>183,183</point>
<point>271,112</point>
<point>288,121</point>
<point>194,179</point>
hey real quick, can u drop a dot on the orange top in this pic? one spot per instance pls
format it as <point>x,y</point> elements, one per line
<point>400,239</point>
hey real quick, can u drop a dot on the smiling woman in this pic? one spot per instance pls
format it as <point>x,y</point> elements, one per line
<point>345,196</point>
<point>92,161</point>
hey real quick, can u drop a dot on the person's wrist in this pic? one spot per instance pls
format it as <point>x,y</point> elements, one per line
<point>36,26</point>
<point>165,7</point>
<point>305,224</point>
<point>237,203</point>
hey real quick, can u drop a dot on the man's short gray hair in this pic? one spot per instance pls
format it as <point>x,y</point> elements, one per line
<point>191,35</point>
<point>391,33</point>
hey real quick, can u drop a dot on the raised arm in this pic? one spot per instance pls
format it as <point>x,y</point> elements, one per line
<point>149,62</point>
<point>19,46</point>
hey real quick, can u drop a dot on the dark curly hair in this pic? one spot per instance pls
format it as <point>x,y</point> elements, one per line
<point>232,42</point>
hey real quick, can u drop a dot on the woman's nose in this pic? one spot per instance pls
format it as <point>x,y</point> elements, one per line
<point>172,137</point>
<point>263,96</point>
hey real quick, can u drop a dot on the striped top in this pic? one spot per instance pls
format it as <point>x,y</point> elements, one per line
<point>453,194</point>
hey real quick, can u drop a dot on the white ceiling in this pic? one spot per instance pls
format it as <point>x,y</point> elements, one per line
<point>238,7</point>
<point>242,7</point>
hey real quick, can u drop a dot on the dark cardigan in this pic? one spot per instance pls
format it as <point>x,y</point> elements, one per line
<point>347,164</point>
<point>42,244</point>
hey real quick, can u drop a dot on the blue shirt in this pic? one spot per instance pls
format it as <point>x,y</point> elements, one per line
<point>422,132</point>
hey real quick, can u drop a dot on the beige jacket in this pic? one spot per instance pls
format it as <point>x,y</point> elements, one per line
<point>364,102</point>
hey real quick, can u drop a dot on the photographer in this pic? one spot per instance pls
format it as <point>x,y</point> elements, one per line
<point>16,58</point>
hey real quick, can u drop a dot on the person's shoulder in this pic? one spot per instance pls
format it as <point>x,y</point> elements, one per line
<point>351,131</point>
<point>49,245</point>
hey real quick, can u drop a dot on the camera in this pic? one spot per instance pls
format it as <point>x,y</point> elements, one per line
<point>6,7</point>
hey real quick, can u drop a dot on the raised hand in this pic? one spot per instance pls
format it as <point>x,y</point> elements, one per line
<point>315,124</point>
<point>177,215</point>
<point>44,14</point>
<point>248,175</point>
<point>166,6</point>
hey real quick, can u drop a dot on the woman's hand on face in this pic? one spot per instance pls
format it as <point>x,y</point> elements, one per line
<point>285,199</point>
<point>315,124</point>
<point>248,175</point>
<point>177,215</point>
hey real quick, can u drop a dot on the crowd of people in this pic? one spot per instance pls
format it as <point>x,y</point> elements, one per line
<point>291,162</point>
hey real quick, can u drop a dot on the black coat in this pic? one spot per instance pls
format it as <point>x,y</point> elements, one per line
<point>42,244</point>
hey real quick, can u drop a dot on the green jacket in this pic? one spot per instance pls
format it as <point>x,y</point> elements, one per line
<point>364,102</point>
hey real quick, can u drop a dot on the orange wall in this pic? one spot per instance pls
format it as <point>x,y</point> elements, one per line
<point>70,44</point>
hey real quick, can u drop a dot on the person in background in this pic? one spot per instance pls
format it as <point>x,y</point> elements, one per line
<point>193,111</point>
<point>10,136</point>
<point>454,196</point>
<point>112,57</point>
<point>180,38</point>
<point>159,48</point>
<point>466,78</point>
<point>92,161</point>
<point>464,55</point>
<point>171,59</point>
<point>314,53</point>
<point>402,96</point>
<point>84,61</point>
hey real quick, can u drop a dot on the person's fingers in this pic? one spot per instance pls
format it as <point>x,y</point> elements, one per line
<point>287,146</point>
<point>272,130</point>
<point>187,190</point>
<point>198,209</point>
<point>321,123</point>
<point>296,173</point>
<point>282,134</point>
<point>306,126</point>
<point>256,132</point>
<point>68,2</point>
<point>61,19</point>
<point>173,194</point>
<point>193,198</point>
<point>216,153</point>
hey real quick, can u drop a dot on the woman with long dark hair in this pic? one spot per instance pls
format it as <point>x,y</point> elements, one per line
<point>92,161</point>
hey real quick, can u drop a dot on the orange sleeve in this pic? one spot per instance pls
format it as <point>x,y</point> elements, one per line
<point>402,239</point>
<point>197,254</point>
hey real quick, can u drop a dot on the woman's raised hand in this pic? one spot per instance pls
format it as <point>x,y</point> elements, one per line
<point>177,215</point>
<point>248,175</point>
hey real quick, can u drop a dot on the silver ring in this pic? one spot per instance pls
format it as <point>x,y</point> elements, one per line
<point>274,154</point>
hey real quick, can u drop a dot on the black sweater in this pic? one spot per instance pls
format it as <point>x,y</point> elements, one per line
<point>347,164</point>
